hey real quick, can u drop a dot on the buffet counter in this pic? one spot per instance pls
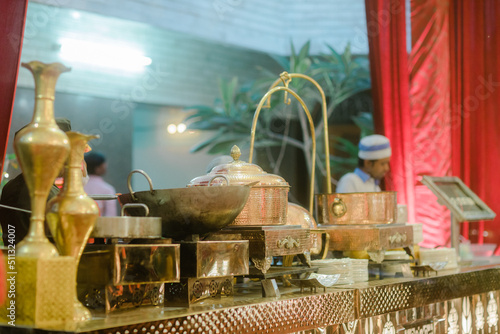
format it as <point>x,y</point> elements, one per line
<point>464,300</point>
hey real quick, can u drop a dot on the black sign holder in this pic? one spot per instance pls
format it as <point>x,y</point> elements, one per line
<point>462,202</point>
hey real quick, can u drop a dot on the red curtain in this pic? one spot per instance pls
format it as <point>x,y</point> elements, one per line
<point>475,99</point>
<point>390,88</point>
<point>12,17</point>
<point>455,87</point>
<point>430,110</point>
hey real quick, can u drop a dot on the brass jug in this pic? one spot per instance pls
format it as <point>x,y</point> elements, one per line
<point>71,215</point>
<point>41,148</point>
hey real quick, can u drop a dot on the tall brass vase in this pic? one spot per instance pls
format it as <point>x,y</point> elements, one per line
<point>41,149</point>
<point>71,215</point>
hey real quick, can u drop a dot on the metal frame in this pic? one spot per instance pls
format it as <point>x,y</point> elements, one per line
<point>485,214</point>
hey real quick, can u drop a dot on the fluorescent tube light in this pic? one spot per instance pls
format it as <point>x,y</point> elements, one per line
<point>109,55</point>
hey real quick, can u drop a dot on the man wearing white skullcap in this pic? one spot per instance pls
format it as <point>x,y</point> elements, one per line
<point>374,155</point>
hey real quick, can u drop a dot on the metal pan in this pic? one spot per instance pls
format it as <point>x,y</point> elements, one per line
<point>127,227</point>
<point>187,211</point>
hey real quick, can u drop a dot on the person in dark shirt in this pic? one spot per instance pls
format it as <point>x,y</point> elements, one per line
<point>15,194</point>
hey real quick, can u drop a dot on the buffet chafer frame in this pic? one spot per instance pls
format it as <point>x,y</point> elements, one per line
<point>266,242</point>
<point>119,276</point>
<point>375,239</point>
<point>208,268</point>
<point>438,304</point>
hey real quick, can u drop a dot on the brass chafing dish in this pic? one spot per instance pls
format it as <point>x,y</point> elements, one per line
<point>267,202</point>
<point>208,268</point>
<point>120,276</point>
<point>363,222</point>
<point>357,208</point>
<point>132,268</point>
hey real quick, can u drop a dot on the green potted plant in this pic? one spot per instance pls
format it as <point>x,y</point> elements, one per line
<point>230,117</point>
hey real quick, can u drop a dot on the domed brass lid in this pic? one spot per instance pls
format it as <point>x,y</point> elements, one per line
<point>239,172</point>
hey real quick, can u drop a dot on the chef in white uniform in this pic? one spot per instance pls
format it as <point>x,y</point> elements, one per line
<point>374,156</point>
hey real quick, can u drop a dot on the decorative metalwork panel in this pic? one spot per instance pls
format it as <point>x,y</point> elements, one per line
<point>381,298</point>
<point>369,237</point>
<point>462,303</point>
<point>268,241</point>
<point>215,258</point>
<point>120,297</point>
<point>283,316</point>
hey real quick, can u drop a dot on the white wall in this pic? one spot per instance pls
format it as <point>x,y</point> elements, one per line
<point>191,43</point>
<point>260,25</point>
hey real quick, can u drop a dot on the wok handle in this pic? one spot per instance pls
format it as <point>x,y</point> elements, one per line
<point>140,171</point>
<point>103,197</point>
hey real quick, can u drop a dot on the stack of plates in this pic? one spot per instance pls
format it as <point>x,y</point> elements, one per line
<point>359,269</point>
<point>396,255</point>
<point>433,255</point>
<point>335,266</point>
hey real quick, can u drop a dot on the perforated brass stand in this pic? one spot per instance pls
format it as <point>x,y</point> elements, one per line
<point>434,304</point>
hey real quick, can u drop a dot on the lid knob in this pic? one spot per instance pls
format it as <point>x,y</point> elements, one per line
<point>235,153</point>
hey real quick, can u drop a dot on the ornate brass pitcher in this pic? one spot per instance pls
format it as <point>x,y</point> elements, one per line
<point>41,148</point>
<point>71,215</point>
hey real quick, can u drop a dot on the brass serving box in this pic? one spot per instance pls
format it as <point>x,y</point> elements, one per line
<point>118,276</point>
<point>371,238</point>
<point>214,258</point>
<point>192,290</point>
<point>207,270</point>
<point>267,202</point>
<point>265,242</point>
<point>357,208</point>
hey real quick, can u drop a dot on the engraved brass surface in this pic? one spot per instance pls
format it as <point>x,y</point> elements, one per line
<point>193,290</point>
<point>267,202</point>
<point>265,241</point>
<point>39,293</point>
<point>263,264</point>
<point>389,295</point>
<point>369,237</point>
<point>114,298</point>
<point>469,297</point>
<point>357,208</point>
<point>124,264</point>
<point>41,149</point>
<point>288,242</point>
<point>214,258</point>
<point>288,314</point>
<point>71,215</point>
<point>297,215</point>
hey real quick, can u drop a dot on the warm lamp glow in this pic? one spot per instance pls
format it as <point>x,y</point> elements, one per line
<point>110,54</point>
<point>172,128</point>
<point>181,127</point>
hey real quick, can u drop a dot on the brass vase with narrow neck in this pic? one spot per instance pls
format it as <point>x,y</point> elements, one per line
<point>71,215</point>
<point>41,149</point>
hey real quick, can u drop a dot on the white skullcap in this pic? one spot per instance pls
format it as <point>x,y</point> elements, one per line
<point>374,147</point>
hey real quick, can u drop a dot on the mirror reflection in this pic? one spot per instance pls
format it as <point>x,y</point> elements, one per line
<point>136,68</point>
